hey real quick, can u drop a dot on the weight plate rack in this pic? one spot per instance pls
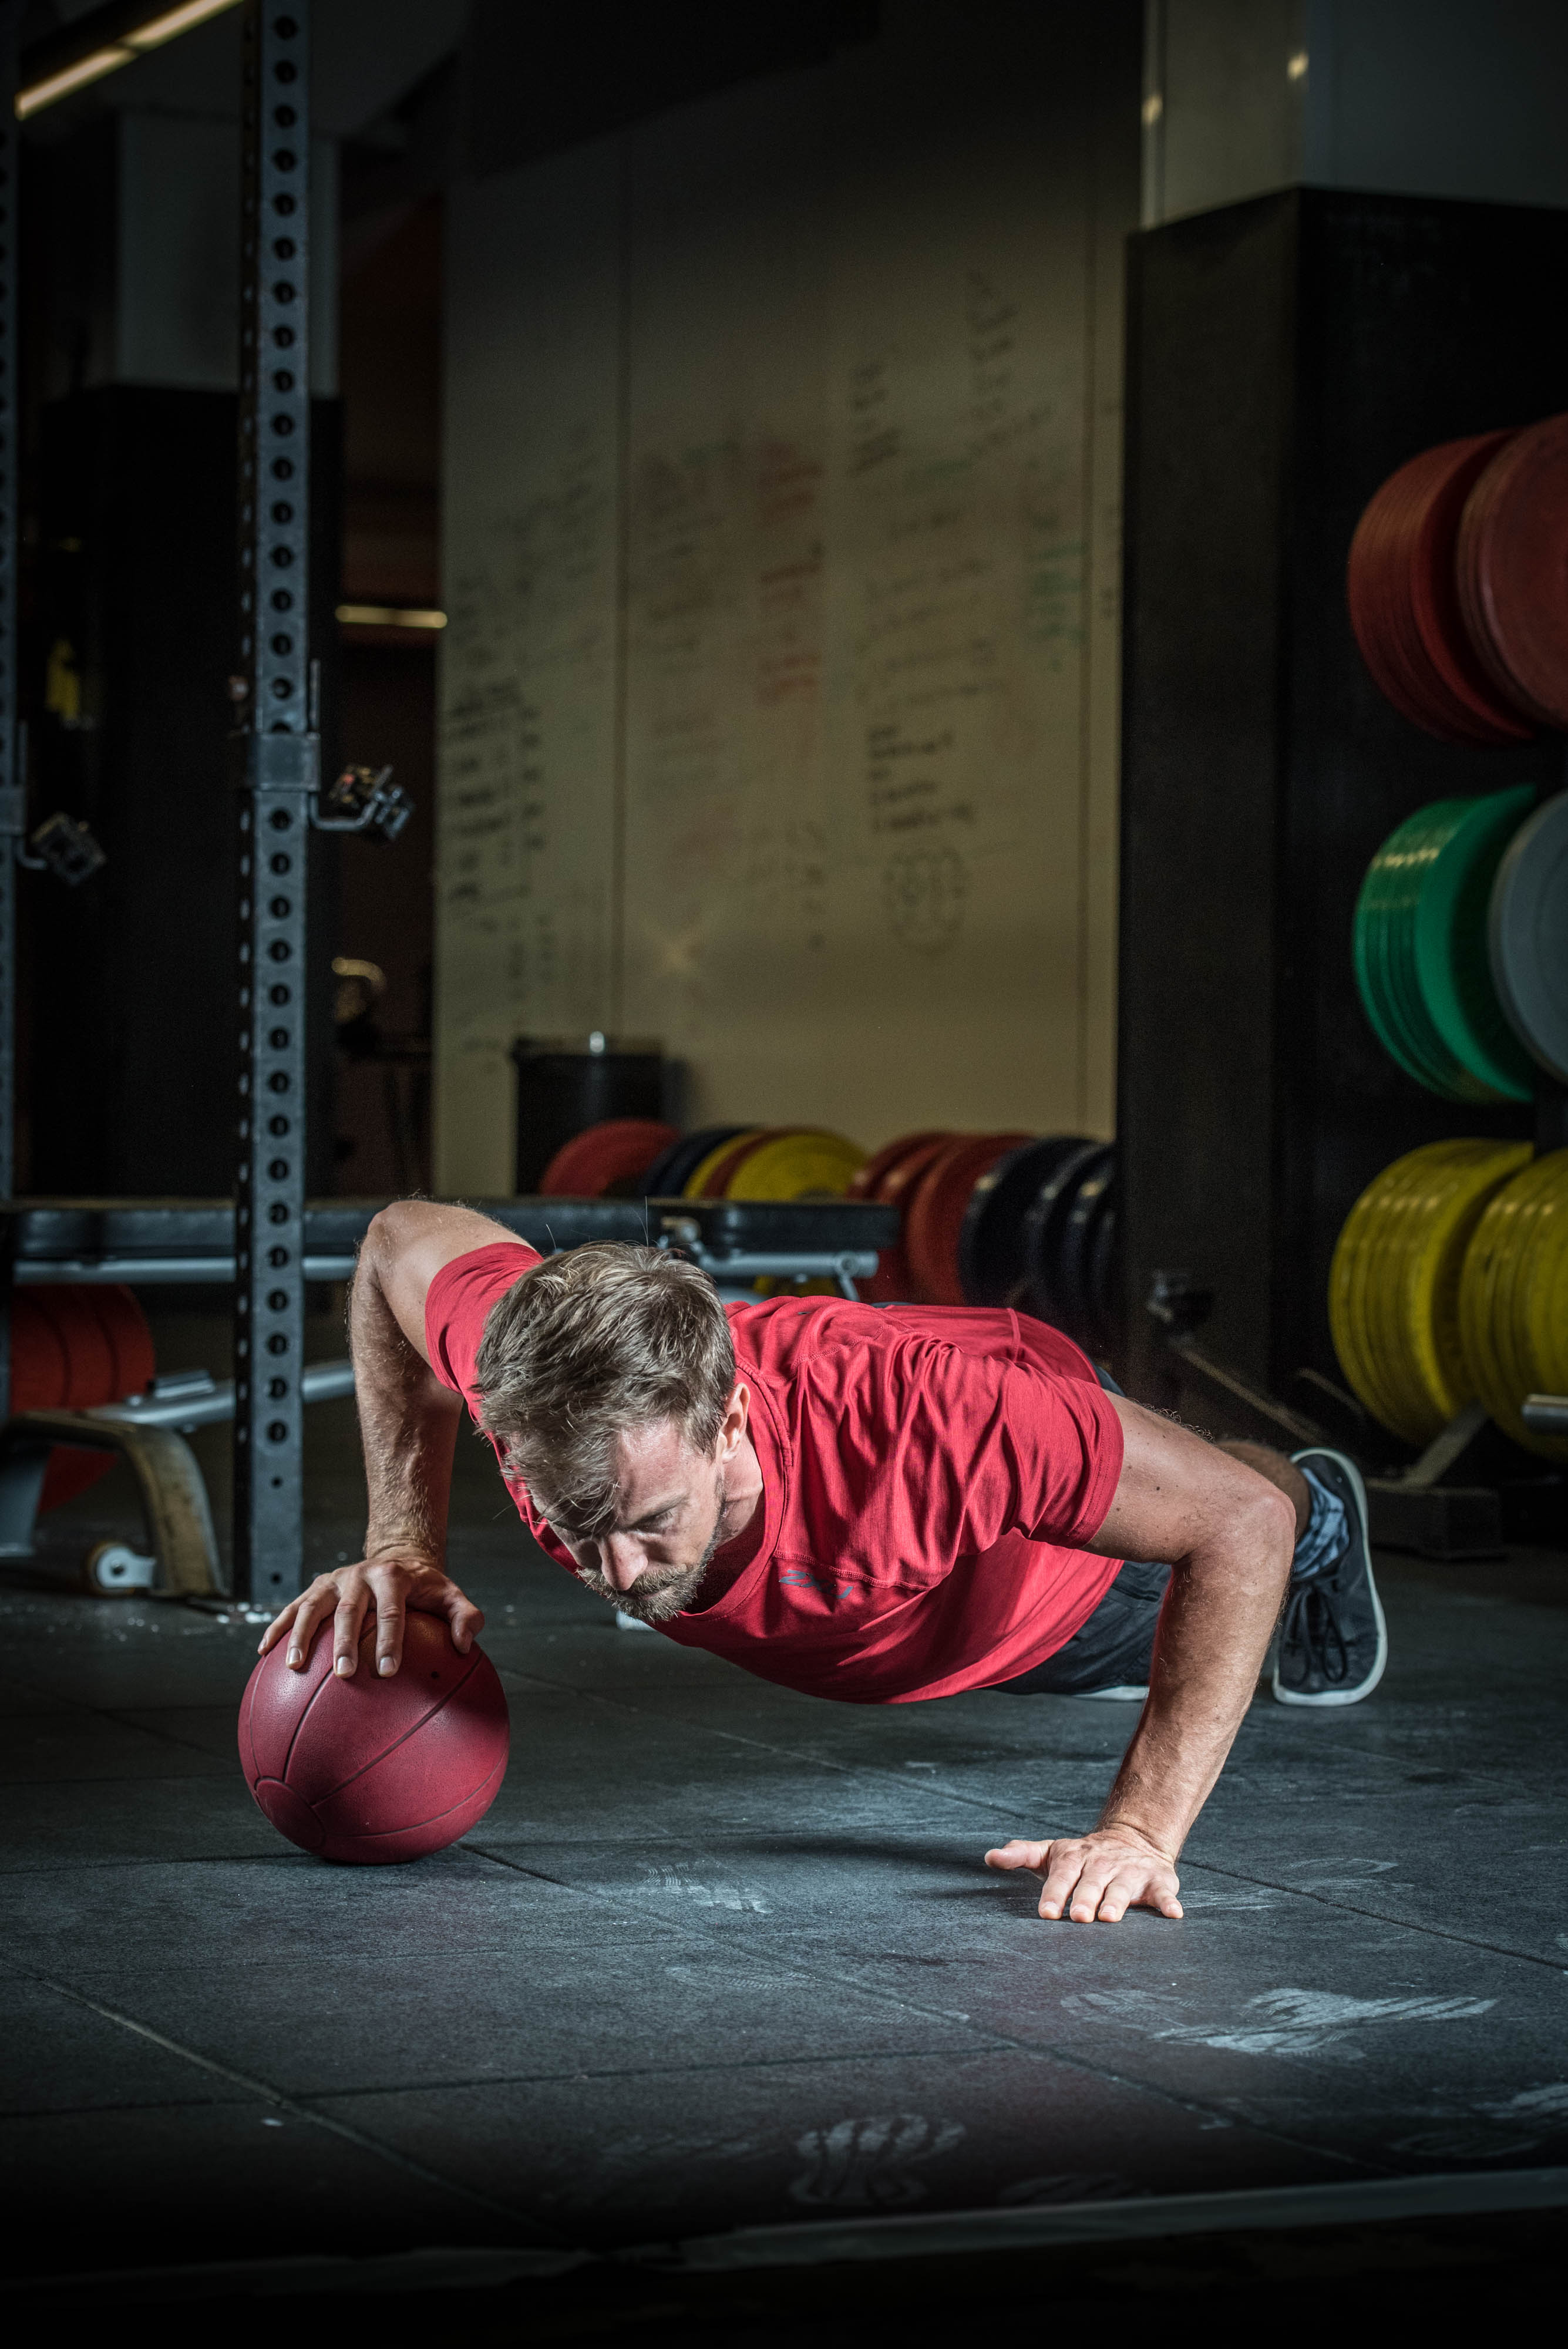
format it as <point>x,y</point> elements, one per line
<point>271,1243</point>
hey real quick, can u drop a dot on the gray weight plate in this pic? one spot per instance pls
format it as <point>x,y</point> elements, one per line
<point>1528,935</point>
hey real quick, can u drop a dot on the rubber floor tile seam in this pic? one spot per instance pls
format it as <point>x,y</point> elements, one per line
<point>1212,2113</point>
<point>138,1860</point>
<point>265,2092</point>
<point>675,2072</point>
<point>132,1717</point>
<point>1041,1827</point>
<point>1381,1916</point>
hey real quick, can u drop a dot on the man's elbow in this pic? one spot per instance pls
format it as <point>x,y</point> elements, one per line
<point>391,1230</point>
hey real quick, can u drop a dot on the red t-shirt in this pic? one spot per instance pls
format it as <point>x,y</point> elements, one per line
<point>927,1474</point>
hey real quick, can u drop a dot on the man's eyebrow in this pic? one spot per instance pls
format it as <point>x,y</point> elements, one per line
<point>656,1509</point>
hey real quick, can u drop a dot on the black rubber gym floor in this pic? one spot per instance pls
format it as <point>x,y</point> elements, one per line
<point>725,1957</point>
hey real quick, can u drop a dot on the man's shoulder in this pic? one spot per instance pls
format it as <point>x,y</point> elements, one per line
<point>830,1340</point>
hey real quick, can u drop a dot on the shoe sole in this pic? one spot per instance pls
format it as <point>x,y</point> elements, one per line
<point>1123,1694</point>
<point>1364,1688</point>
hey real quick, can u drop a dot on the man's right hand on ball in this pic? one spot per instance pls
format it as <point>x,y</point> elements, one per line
<point>391,1582</point>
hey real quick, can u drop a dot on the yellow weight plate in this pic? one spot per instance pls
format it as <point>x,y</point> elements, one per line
<point>1543,1297</point>
<point>1356,1281</point>
<point>797,1166</point>
<point>1437,1227</point>
<point>1377,1299</point>
<point>698,1177</point>
<point>1549,1320</point>
<point>1346,1315</point>
<point>1383,1253</point>
<point>1500,1275</point>
<point>1488,1250</point>
<point>1514,1280</point>
<point>1526,1346</point>
<point>1394,1283</point>
<point>1410,1192</point>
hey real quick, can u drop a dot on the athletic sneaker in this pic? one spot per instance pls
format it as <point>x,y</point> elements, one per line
<point>1333,1640</point>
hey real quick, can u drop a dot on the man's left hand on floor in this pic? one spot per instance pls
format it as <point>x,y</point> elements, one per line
<point>1095,1879</point>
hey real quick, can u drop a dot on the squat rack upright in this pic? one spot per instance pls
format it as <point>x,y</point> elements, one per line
<point>277,796</point>
<point>276,784</point>
<point>276,1241</point>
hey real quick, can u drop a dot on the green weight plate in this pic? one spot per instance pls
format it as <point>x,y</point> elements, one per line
<point>1368,954</point>
<point>1453,972</point>
<point>1417,980</point>
<point>1445,1073</point>
<point>1380,957</point>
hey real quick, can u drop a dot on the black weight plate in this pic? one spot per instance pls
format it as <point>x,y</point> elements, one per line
<point>1101,1276</point>
<point>1074,1254</point>
<point>1043,1223</point>
<point>668,1176</point>
<point>990,1245</point>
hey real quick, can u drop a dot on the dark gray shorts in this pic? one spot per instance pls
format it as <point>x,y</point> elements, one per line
<point>1113,1649</point>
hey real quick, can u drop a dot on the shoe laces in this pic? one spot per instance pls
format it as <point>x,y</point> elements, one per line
<point>1312,1623</point>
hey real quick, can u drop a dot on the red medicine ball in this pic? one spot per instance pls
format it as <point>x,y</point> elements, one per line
<point>372,1769</point>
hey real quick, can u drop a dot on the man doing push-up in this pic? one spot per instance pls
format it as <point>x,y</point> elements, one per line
<point>873,1504</point>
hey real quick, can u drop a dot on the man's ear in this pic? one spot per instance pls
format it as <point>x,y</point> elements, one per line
<point>733,1427</point>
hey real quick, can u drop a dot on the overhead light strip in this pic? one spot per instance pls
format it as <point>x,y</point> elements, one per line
<point>167,24</point>
<point>387,616</point>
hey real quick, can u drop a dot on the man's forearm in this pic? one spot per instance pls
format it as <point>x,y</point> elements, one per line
<point>408,1424</point>
<point>1213,1633</point>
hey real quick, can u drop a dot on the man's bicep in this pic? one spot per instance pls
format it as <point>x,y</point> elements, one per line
<point>1175,1491</point>
<point>412,1240</point>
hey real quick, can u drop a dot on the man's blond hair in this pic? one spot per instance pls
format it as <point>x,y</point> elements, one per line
<point>586,1347</point>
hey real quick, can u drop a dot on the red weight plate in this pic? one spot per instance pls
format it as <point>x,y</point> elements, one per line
<point>1433,590</point>
<point>864,1183</point>
<point>124,1325</point>
<point>619,1150</point>
<point>1405,604</point>
<point>893,1281</point>
<point>62,1360</point>
<point>88,1350</point>
<point>934,1222</point>
<point>40,1368</point>
<point>1513,569</point>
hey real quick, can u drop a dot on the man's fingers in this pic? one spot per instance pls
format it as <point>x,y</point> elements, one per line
<point>307,1613</point>
<point>389,1620</point>
<point>277,1627</point>
<point>345,1626</point>
<point>1091,1880</point>
<point>1061,1878</point>
<point>464,1620</point>
<point>1093,1885</point>
<point>388,1635</point>
<point>301,1631</point>
<point>1018,1853</point>
<point>1119,1895</point>
<point>1134,1889</point>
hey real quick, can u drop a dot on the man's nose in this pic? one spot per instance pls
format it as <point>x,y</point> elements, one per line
<point>621,1560</point>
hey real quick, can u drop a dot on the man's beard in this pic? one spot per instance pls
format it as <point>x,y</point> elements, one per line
<point>661,1592</point>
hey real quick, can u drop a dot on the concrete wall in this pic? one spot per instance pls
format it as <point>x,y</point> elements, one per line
<point>1419,98</point>
<point>781,558</point>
